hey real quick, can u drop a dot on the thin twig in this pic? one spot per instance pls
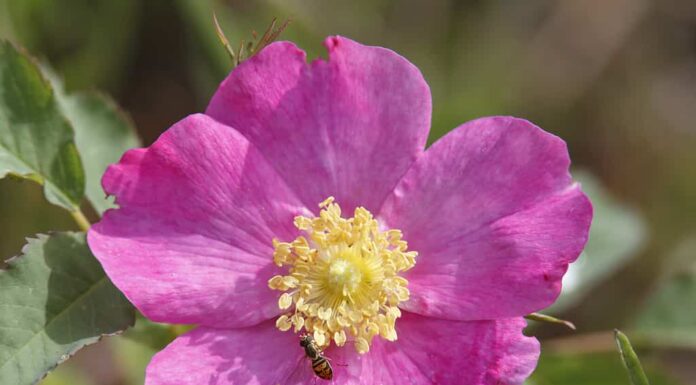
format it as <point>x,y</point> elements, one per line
<point>223,39</point>
<point>253,46</point>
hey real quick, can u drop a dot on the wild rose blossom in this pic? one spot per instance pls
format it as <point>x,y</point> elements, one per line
<point>304,201</point>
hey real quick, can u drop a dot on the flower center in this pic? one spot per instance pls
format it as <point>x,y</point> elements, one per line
<point>342,281</point>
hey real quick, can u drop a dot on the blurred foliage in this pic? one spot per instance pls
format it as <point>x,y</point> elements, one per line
<point>590,369</point>
<point>132,357</point>
<point>89,42</point>
<point>616,80</point>
<point>66,375</point>
<point>116,360</point>
<point>102,134</point>
<point>252,45</point>
<point>670,311</point>
<point>153,335</point>
<point>24,212</point>
<point>617,233</point>
<point>671,307</point>
<point>36,141</point>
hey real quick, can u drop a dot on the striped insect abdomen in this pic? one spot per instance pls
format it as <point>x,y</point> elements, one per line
<point>322,368</point>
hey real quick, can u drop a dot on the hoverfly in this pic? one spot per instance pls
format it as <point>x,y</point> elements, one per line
<point>320,364</point>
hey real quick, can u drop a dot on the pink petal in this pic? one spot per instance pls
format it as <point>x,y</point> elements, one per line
<point>428,351</point>
<point>436,351</point>
<point>494,215</point>
<point>348,127</point>
<point>257,355</point>
<point>192,241</point>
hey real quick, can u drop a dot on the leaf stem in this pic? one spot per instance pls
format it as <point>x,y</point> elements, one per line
<point>80,219</point>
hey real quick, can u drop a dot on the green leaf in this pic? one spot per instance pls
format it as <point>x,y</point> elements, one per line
<point>102,133</point>
<point>630,360</point>
<point>669,312</point>
<point>36,141</point>
<point>670,308</point>
<point>54,300</point>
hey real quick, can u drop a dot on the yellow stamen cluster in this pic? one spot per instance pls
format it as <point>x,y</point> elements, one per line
<point>343,281</point>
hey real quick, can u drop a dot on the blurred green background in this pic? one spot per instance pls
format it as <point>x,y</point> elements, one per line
<point>615,79</point>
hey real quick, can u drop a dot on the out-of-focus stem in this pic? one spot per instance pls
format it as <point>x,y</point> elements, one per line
<point>80,219</point>
<point>178,330</point>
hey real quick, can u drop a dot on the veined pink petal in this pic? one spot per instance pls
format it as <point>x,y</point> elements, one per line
<point>191,242</point>
<point>347,127</point>
<point>256,355</point>
<point>436,351</point>
<point>428,351</point>
<point>494,215</point>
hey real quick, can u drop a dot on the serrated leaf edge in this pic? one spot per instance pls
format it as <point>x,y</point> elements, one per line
<point>11,262</point>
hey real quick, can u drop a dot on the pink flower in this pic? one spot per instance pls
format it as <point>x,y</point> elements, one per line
<point>421,276</point>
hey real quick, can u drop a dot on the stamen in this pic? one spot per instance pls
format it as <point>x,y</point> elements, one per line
<point>342,283</point>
